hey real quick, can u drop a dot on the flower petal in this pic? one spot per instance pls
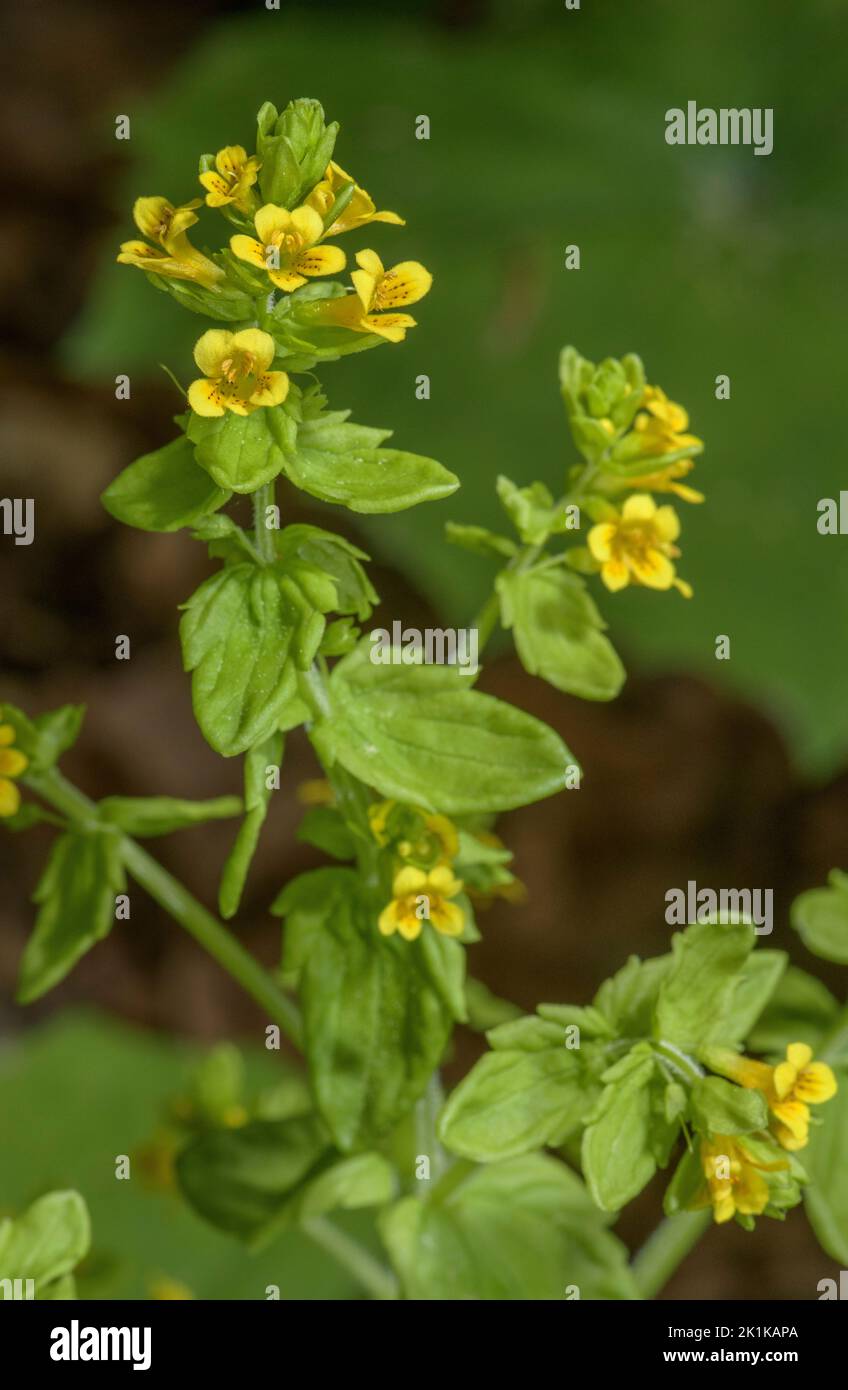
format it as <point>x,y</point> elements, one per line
<point>600,540</point>
<point>204,397</point>
<point>10,798</point>
<point>12,762</point>
<point>640,507</point>
<point>258,343</point>
<point>308,224</point>
<point>615,575</point>
<point>247,248</point>
<point>816,1084</point>
<point>211,350</point>
<point>405,283</point>
<point>271,221</point>
<point>320,260</point>
<point>654,570</point>
<point>272,389</point>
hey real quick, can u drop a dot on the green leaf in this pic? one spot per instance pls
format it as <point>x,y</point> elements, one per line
<point>629,1134</point>
<point>243,452</point>
<point>820,917</point>
<point>46,1243</point>
<point>424,737</point>
<point>237,632</point>
<point>748,998</point>
<point>164,490</point>
<point>719,1107</point>
<point>77,895</point>
<point>523,1229</point>
<point>514,1101</point>
<point>326,829</point>
<point>559,632</point>
<point>708,959</point>
<point>240,1179</point>
<point>313,557</point>
<point>268,753</point>
<point>359,1180</point>
<point>532,511</point>
<point>160,815</point>
<point>826,1198</point>
<point>628,999</point>
<point>801,1009</point>
<point>480,540</point>
<point>339,462</point>
<point>375,1027</point>
<point>45,738</point>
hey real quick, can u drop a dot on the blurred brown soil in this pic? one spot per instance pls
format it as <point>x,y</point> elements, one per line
<point>682,781</point>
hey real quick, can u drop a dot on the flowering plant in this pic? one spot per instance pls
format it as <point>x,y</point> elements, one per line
<point>571,1111</point>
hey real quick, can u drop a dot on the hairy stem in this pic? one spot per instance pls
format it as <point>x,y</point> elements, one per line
<point>664,1250</point>
<point>353,1257</point>
<point>176,900</point>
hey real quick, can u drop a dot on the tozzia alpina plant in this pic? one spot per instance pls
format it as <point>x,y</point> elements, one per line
<point>416,765</point>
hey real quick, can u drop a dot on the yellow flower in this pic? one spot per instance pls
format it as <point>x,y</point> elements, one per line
<point>638,545</point>
<point>232,179</point>
<point>735,1181</point>
<point>360,210</point>
<point>790,1088</point>
<point>420,896</point>
<point>663,423</point>
<point>666,480</point>
<point>236,375</point>
<point>378,289</point>
<point>12,764</point>
<point>173,254</point>
<point>438,838</point>
<point>287,247</point>
<point>316,791</point>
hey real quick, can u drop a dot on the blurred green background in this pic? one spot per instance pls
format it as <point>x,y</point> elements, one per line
<point>547,128</point>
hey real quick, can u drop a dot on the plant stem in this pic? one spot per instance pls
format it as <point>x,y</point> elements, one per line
<point>353,1257</point>
<point>486,620</point>
<point>263,498</point>
<point>176,900</point>
<point>663,1251</point>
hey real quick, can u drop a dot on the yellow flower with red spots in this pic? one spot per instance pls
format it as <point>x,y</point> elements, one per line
<point>236,373</point>
<point>636,545</point>
<point>790,1088</point>
<point>232,179</point>
<point>379,292</point>
<point>420,896</point>
<point>359,211</point>
<point>734,1178</point>
<point>12,764</point>
<point>173,255</point>
<point>287,246</point>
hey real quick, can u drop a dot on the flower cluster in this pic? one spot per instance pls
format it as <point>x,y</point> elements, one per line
<point>12,764</point>
<point>286,206</point>
<point>750,1175</point>
<point>635,441</point>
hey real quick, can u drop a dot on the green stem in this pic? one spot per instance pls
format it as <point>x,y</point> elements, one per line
<point>664,1250</point>
<point>367,1271</point>
<point>176,900</point>
<point>486,620</point>
<point>263,498</point>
